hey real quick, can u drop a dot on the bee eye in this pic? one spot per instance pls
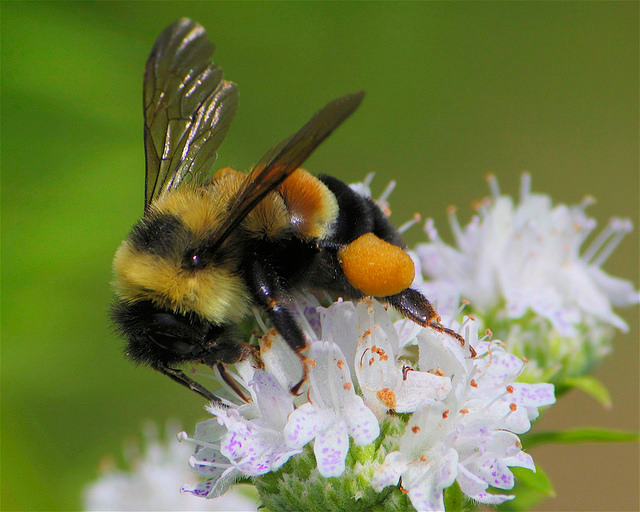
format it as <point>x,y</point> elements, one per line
<point>194,260</point>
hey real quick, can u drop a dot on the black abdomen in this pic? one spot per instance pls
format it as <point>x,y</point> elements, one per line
<point>358,215</point>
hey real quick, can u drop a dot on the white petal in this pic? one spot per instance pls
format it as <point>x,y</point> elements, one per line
<point>210,430</point>
<point>522,460</point>
<point>375,365</point>
<point>505,413</point>
<point>303,425</point>
<point>340,325</point>
<point>533,395</point>
<point>330,449</point>
<point>419,388</point>
<point>497,366</point>
<point>444,296</point>
<point>395,463</point>
<point>330,377</point>
<point>209,462</point>
<point>256,452</point>
<point>280,361</point>
<point>591,299</point>
<point>448,469</point>
<point>439,261</point>
<point>495,473</point>
<point>620,291</point>
<point>362,424</point>
<point>503,444</point>
<point>372,314</point>
<point>439,351</point>
<point>274,402</point>
<point>425,495</point>
<point>214,488</point>
<point>469,483</point>
<point>491,499</point>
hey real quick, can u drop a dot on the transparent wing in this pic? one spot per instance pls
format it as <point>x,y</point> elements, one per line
<point>283,159</point>
<point>188,108</point>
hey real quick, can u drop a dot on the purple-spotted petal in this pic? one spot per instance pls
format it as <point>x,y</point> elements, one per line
<point>330,449</point>
<point>362,424</point>
<point>395,463</point>
<point>214,488</point>
<point>522,460</point>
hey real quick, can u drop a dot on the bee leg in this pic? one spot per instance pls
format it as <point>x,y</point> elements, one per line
<point>231,383</point>
<point>181,378</point>
<point>266,288</point>
<point>414,306</point>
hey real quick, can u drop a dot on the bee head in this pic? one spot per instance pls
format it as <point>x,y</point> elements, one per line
<point>165,260</point>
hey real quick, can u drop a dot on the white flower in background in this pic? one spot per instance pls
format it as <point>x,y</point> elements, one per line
<point>528,256</point>
<point>522,269</point>
<point>152,481</point>
<point>461,417</point>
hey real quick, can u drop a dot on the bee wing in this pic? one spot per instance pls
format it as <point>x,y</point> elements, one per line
<point>188,108</point>
<point>283,159</point>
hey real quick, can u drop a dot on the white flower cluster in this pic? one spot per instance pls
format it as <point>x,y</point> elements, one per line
<point>464,412</point>
<point>150,481</point>
<point>529,256</point>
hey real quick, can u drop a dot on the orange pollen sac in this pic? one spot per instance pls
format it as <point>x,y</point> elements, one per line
<point>340,364</point>
<point>376,267</point>
<point>513,407</point>
<point>387,397</point>
<point>445,414</point>
<point>474,384</point>
<point>347,386</point>
<point>509,389</point>
<point>415,429</point>
<point>464,411</point>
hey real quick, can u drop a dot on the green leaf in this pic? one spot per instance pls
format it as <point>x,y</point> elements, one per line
<point>579,435</point>
<point>530,489</point>
<point>591,386</point>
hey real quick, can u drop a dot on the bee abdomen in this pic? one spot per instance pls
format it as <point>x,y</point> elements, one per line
<point>358,215</point>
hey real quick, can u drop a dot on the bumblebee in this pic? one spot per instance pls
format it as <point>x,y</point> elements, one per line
<point>208,249</point>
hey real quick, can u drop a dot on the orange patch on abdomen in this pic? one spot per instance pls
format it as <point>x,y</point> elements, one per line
<point>312,206</point>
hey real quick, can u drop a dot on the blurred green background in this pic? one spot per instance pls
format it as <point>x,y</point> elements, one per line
<point>454,91</point>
